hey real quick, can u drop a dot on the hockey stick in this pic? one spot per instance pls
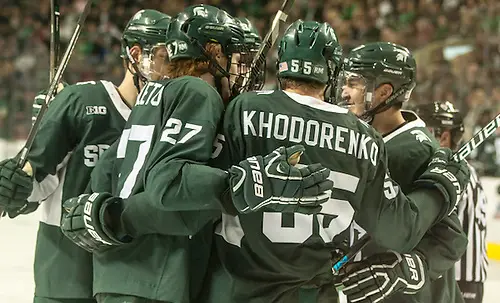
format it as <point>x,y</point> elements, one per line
<point>268,42</point>
<point>54,83</point>
<point>21,161</point>
<point>53,51</point>
<point>353,251</point>
<point>54,37</point>
<point>461,154</point>
<point>478,139</point>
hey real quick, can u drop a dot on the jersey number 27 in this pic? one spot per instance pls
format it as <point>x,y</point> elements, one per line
<point>144,134</point>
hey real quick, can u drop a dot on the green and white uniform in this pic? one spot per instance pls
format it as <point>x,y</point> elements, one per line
<point>269,256</point>
<point>409,149</point>
<point>163,152</point>
<point>80,124</point>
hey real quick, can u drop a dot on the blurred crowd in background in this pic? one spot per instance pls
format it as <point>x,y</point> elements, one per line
<point>456,43</point>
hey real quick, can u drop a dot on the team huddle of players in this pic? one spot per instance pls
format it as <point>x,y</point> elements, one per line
<point>177,187</point>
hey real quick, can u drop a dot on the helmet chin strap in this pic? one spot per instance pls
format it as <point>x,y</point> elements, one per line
<point>369,114</point>
<point>211,60</point>
<point>137,75</point>
<point>214,66</point>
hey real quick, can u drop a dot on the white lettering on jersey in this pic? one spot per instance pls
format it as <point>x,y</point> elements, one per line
<point>92,153</point>
<point>256,177</point>
<point>87,219</point>
<point>96,110</point>
<point>311,132</point>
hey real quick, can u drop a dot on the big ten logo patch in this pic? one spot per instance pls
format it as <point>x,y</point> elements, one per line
<point>95,110</point>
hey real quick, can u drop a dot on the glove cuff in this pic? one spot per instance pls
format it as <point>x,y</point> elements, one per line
<point>419,270</point>
<point>422,258</point>
<point>429,183</point>
<point>226,203</point>
<point>235,192</point>
<point>109,219</point>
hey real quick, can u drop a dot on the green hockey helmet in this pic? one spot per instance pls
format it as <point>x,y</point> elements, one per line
<point>197,25</point>
<point>309,50</point>
<point>440,116</point>
<point>373,64</point>
<point>253,40</point>
<point>252,43</point>
<point>147,28</point>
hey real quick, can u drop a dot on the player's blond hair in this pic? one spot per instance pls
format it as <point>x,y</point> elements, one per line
<point>193,67</point>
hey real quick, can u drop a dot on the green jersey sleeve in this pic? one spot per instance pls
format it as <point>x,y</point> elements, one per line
<point>177,179</point>
<point>410,148</point>
<point>443,245</point>
<point>413,213</point>
<point>60,131</point>
<point>145,221</point>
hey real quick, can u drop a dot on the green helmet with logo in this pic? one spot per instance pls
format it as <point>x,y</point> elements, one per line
<point>384,62</point>
<point>309,50</point>
<point>197,25</point>
<point>147,28</point>
<point>253,40</point>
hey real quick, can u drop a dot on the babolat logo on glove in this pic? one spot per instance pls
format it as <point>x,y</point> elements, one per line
<point>449,176</point>
<point>256,177</point>
<point>88,219</point>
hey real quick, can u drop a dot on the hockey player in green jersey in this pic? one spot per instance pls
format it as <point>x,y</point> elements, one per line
<point>377,78</point>
<point>279,257</point>
<point>445,122</point>
<point>163,176</point>
<point>81,122</point>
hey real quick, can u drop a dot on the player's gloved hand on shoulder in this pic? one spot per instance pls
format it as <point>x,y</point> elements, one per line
<point>86,221</point>
<point>275,183</point>
<point>40,99</point>
<point>379,276</point>
<point>15,186</point>
<point>446,175</point>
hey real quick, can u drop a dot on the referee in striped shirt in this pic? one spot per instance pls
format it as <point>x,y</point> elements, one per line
<point>446,123</point>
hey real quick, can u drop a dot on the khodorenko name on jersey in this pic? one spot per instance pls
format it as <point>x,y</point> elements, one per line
<point>309,132</point>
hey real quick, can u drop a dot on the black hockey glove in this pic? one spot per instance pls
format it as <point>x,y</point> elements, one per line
<point>84,221</point>
<point>28,208</point>
<point>15,186</point>
<point>379,276</point>
<point>275,183</point>
<point>447,176</point>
